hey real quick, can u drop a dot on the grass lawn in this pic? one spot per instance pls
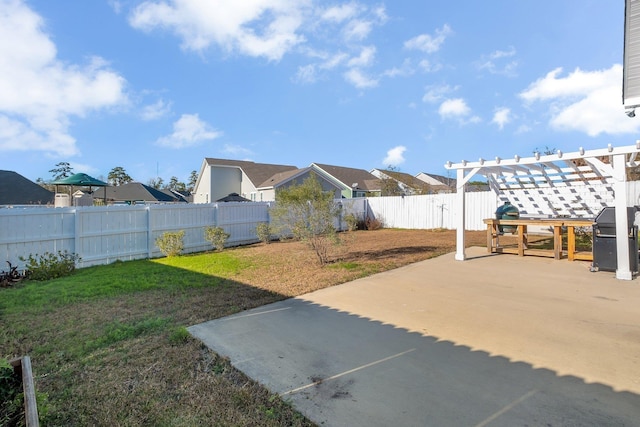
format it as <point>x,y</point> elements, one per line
<point>109,345</point>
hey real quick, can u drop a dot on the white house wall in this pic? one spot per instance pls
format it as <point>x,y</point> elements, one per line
<point>203,190</point>
<point>224,181</point>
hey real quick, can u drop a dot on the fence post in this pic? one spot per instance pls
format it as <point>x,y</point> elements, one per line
<point>149,233</point>
<point>76,232</point>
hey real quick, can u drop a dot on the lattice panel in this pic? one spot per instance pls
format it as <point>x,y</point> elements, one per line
<point>570,199</point>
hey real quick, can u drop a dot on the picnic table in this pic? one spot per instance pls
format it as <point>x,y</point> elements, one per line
<point>559,226</point>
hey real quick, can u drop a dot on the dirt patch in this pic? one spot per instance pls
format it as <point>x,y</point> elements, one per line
<point>290,268</point>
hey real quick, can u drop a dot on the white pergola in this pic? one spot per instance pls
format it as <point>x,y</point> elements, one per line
<point>552,172</point>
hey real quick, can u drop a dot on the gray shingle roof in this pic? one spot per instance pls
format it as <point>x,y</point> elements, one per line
<point>350,176</point>
<point>133,191</point>
<point>15,189</point>
<point>258,173</point>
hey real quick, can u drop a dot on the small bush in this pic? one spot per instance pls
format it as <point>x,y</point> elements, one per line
<point>50,266</point>
<point>216,236</point>
<point>171,243</point>
<point>264,232</point>
<point>373,223</point>
<point>10,393</point>
<point>352,222</point>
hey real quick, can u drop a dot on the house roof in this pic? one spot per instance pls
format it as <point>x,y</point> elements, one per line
<point>359,179</point>
<point>258,173</point>
<point>405,178</point>
<point>15,189</point>
<point>133,192</point>
<point>233,197</point>
<point>449,182</point>
<point>281,177</point>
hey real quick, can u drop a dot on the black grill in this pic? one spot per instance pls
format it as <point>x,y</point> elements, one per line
<point>605,252</point>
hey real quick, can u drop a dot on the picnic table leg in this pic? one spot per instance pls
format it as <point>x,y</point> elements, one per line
<point>571,242</point>
<point>490,237</point>
<point>522,239</point>
<point>557,241</point>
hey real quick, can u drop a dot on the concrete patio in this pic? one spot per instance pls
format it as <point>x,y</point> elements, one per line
<point>497,340</point>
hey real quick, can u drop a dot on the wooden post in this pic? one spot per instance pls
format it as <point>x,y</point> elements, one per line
<point>571,242</point>
<point>557,241</point>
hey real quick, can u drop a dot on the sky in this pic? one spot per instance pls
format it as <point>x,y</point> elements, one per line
<point>156,86</point>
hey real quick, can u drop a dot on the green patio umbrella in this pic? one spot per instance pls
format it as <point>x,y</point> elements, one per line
<point>79,180</point>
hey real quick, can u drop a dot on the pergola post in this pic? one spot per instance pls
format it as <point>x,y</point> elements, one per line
<point>623,271</point>
<point>461,213</point>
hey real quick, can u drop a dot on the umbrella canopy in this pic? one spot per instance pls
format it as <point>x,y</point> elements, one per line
<point>80,179</point>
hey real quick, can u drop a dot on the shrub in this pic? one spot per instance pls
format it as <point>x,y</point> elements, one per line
<point>352,222</point>
<point>373,223</point>
<point>264,232</point>
<point>307,212</point>
<point>216,236</point>
<point>49,265</point>
<point>10,393</point>
<point>171,243</point>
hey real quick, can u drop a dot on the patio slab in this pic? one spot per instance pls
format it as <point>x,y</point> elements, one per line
<point>497,340</point>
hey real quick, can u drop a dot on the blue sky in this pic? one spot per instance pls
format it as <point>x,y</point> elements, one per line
<point>155,86</point>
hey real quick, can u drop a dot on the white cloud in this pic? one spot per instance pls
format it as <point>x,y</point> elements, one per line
<point>357,30</point>
<point>188,131</point>
<point>496,63</point>
<point>366,57</point>
<point>395,156</point>
<point>260,28</point>
<point>334,61</point>
<point>584,101</point>
<point>156,110</point>
<point>436,93</point>
<point>501,117</point>
<point>429,67</point>
<point>428,43</point>
<point>357,78</point>
<point>39,93</point>
<point>341,13</point>
<point>306,74</point>
<point>236,150</point>
<point>457,109</point>
<point>405,70</point>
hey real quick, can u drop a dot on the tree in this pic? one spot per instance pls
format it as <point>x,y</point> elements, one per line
<point>308,213</point>
<point>156,183</point>
<point>61,171</point>
<point>389,185</point>
<point>176,185</point>
<point>193,179</point>
<point>118,176</point>
<point>43,184</point>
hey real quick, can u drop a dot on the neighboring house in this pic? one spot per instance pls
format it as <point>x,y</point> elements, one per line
<point>134,192</point>
<point>443,184</point>
<point>15,189</point>
<point>352,182</point>
<point>396,183</point>
<point>438,183</point>
<point>220,177</point>
<point>286,179</point>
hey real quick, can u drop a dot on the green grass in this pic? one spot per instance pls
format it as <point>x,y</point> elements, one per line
<point>121,278</point>
<point>109,344</point>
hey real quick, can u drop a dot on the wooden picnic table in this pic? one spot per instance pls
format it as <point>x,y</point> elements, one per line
<point>521,224</point>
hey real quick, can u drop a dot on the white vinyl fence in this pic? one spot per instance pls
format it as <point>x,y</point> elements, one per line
<point>101,235</point>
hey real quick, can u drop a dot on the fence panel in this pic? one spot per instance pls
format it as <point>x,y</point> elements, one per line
<point>100,235</point>
<point>107,234</point>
